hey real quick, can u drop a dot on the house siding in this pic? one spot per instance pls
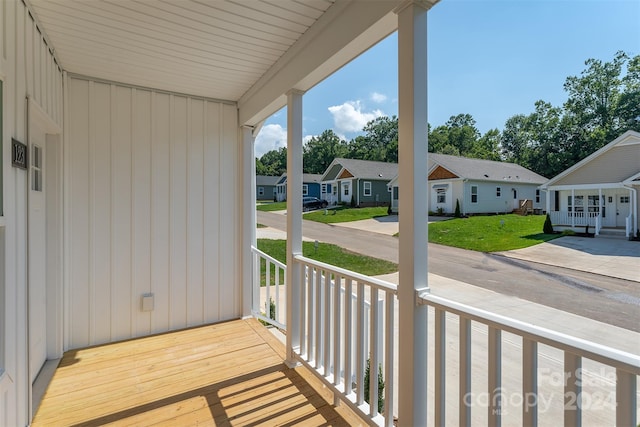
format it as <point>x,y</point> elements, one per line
<point>380,195</point>
<point>488,202</point>
<point>27,68</point>
<point>615,165</point>
<point>146,172</point>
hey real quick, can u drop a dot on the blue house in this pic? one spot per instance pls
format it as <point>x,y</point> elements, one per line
<point>310,186</point>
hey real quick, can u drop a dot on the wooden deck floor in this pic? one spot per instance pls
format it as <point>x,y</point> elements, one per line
<point>224,374</point>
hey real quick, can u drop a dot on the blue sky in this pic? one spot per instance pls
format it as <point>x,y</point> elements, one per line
<point>491,59</point>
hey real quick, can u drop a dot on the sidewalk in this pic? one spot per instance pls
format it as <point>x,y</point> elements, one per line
<point>606,256</point>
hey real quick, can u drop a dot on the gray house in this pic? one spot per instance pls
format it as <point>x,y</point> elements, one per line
<point>480,186</point>
<point>363,181</point>
<point>266,187</point>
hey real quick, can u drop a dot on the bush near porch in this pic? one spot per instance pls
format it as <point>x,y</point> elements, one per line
<point>490,233</point>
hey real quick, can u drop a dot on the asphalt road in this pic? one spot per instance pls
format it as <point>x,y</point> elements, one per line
<point>609,300</point>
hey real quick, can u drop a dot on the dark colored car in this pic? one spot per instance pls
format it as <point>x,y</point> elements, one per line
<point>310,203</point>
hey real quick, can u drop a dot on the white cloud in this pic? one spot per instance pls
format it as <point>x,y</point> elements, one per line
<point>378,97</point>
<point>271,137</point>
<point>349,116</point>
<point>307,138</point>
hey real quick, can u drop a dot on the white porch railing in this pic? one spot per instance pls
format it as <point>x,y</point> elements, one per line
<point>340,330</point>
<point>628,225</point>
<point>577,219</point>
<point>626,368</point>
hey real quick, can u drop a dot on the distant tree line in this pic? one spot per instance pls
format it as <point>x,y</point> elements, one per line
<point>602,103</point>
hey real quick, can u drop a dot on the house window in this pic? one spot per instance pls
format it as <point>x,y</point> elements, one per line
<point>334,190</point>
<point>305,190</point>
<point>474,194</point>
<point>498,191</point>
<point>260,191</point>
<point>624,199</point>
<point>345,189</point>
<point>324,188</point>
<point>367,188</point>
<point>396,193</point>
<point>441,195</point>
<point>575,204</point>
<point>537,196</point>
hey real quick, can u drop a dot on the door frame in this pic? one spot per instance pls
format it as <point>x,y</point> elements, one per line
<point>37,116</point>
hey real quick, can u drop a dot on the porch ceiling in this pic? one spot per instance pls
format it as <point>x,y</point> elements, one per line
<point>221,49</point>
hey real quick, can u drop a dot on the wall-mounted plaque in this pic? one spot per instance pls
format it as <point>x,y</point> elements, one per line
<point>18,154</point>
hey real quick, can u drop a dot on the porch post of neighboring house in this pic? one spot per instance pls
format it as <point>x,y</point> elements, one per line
<point>599,219</point>
<point>294,221</point>
<point>412,144</point>
<point>548,200</point>
<point>573,204</point>
<point>248,217</point>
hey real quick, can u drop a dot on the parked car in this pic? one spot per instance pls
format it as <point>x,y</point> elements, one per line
<point>310,203</point>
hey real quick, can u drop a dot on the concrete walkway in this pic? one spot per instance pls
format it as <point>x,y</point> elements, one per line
<point>607,256</point>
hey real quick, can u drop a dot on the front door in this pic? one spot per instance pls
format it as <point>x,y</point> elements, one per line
<point>516,204</point>
<point>623,203</point>
<point>37,254</point>
<point>346,192</point>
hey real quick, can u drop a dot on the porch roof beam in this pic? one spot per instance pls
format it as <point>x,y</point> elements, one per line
<point>584,186</point>
<point>347,29</point>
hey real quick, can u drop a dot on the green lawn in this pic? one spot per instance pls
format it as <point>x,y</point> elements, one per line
<point>341,214</point>
<point>490,233</point>
<point>272,206</point>
<point>327,253</point>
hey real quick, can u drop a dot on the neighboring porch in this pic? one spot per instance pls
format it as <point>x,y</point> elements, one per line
<point>225,374</point>
<point>603,209</point>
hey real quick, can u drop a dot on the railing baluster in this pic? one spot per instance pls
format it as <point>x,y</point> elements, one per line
<point>529,382</point>
<point>276,314</point>
<point>373,353</point>
<point>337,310</point>
<point>304,313</point>
<point>360,350</point>
<point>267,282</point>
<point>626,398</point>
<point>495,376</point>
<point>440,366</point>
<point>572,390</point>
<point>311,317</point>
<point>389,359</point>
<point>465,372</point>
<point>348,328</point>
<point>319,316</point>
<point>327,324</point>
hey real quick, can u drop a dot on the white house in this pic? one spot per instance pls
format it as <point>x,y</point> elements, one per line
<point>600,191</point>
<point>128,190</point>
<point>479,186</point>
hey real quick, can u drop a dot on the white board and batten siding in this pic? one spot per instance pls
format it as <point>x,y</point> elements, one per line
<point>152,207</point>
<point>27,69</point>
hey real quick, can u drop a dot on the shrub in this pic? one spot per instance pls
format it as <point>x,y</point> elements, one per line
<point>457,212</point>
<point>389,211</point>
<point>547,228</point>
<point>367,375</point>
<point>272,312</point>
<point>353,202</point>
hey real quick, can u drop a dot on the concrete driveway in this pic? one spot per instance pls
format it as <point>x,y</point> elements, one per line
<point>606,256</point>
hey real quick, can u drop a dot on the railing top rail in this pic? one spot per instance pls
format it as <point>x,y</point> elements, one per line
<point>268,257</point>
<point>616,358</point>
<point>372,281</point>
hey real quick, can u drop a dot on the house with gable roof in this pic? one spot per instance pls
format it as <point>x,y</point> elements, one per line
<point>363,181</point>
<point>600,191</point>
<point>310,186</point>
<point>480,186</point>
<point>266,187</point>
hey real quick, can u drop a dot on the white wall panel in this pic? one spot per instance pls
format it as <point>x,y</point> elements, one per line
<point>157,209</point>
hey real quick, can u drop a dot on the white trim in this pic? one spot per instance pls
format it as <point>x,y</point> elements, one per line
<point>582,186</point>
<point>472,194</point>
<point>305,190</point>
<point>364,188</point>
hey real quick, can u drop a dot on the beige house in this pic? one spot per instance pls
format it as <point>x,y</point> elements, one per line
<point>600,191</point>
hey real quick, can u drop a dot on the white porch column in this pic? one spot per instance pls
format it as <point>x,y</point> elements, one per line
<point>294,220</point>
<point>248,217</point>
<point>573,204</point>
<point>548,200</point>
<point>412,150</point>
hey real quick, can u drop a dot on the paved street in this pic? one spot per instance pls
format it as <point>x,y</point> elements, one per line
<point>609,300</point>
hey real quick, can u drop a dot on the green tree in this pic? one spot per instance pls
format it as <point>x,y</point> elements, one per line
<point>379,142</point>
<point>320,151</point>
<point>273,162</point>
